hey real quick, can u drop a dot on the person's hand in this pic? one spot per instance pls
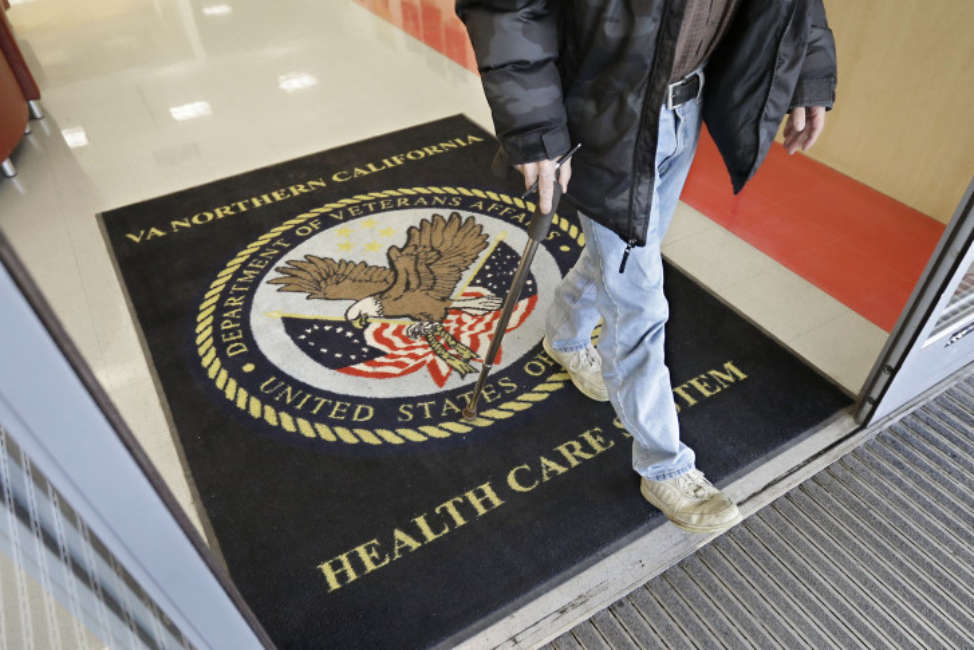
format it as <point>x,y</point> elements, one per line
<point>804,125</point>
<point>545,169</point>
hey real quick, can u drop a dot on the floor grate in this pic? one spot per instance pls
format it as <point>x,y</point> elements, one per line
<point>875,551</point>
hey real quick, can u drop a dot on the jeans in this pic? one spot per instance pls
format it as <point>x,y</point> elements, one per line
<point>633,309</point>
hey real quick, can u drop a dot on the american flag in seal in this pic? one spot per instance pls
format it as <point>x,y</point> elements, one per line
<point>412,314</point>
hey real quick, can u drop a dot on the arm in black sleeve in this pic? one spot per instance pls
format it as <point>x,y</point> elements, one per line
<point>816,84</point>
<point>516,45</point>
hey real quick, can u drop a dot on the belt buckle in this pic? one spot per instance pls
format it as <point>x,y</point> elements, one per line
<point>669,95</point>
<point>669,87</point>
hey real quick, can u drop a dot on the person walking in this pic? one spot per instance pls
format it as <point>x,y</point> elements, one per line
<point>632,82</point>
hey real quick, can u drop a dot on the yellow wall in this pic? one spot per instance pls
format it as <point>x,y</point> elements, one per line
<point>903,121</point>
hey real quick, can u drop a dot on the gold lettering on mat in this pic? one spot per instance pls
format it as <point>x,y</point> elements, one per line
<point>525,477</point>
<point>707,384</point>
<point>462,509</point>
<point>216,213</point>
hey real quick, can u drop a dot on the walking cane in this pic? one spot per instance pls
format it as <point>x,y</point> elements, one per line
<point>537,231</point>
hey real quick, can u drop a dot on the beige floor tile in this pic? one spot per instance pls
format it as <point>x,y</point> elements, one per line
<point>845,348</point>
<point>717,258</point>
<point>138,404</point>
<point>686,222</point>
<point>783,302</point>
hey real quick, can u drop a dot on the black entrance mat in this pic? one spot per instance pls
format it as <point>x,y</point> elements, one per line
<point>353,505</point>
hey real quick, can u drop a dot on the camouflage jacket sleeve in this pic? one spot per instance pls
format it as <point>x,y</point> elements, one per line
<point>516,44</point>
<point>816,83</point>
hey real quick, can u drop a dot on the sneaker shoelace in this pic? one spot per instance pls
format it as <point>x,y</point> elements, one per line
<point>695,484</point>
<point>584,359</point>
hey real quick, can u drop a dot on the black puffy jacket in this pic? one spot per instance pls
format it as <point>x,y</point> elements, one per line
<point>595,71</point>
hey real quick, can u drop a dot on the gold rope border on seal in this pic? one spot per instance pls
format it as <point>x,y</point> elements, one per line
<point>275,417</point>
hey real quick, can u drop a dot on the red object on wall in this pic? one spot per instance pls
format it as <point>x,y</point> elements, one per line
<point>431,27</point>
<point>433,22</point>
<point>13,111</point>
<point>15,84</point>
<point>15,59</point>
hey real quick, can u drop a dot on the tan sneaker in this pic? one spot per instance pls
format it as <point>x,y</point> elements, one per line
<point>585,368</point>
<point>691,502</point>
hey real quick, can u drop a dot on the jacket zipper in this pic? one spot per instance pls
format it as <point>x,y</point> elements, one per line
<point>631,242</point>
<point>625,255</point>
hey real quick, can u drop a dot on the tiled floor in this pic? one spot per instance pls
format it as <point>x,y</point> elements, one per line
<point>269,82</point>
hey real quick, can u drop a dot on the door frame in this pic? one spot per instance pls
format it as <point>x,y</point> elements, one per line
<point>928,298</point>
<point>62,419</point>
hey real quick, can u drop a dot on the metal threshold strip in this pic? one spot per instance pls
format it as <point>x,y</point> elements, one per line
<point>875,550</point>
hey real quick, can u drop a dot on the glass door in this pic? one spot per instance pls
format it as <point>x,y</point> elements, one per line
<point>934,336</point>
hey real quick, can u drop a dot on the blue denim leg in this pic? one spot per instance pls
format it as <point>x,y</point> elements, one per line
<point>573,314</point>
<point>634,309</point>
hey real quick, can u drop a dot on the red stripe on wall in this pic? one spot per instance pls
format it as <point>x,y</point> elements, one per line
<point>434,22</point>
<point>411,19</point>
<point>432,27</point>
<point>860,246</point>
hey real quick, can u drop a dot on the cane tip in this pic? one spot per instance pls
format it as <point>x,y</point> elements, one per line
<point>469,413</point>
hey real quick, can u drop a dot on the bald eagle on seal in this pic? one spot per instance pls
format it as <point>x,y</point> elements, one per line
<point>418,284</point>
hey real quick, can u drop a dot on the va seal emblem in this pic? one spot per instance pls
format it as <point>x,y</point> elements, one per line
<point>366,320</point>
